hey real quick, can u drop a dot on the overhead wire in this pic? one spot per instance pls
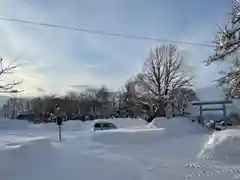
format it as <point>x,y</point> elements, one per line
<point>106,33</point>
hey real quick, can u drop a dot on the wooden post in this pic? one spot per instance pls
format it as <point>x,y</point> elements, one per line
<point>59,122</point>
<point>59,132</point>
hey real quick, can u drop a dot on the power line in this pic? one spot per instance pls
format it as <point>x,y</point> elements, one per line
<point>105,32</point>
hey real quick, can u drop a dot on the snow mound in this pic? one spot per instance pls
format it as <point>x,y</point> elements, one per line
<point>125,122</point>
<point>23,159</point>
<point>128,136</point>
<point>44,127</point>
<point>71,125</point>
<point>222,145</point>
<point>24,149</point>
<point>11,124</point>
<point>178,125</point>
<point>25,144</point>
<point>130,131</point>
<point>75,125</point>
<point>158,122</point>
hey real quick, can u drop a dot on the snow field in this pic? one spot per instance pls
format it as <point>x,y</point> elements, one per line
<point>165,149</point>
<point>178,125</point>
<point>7,124</point>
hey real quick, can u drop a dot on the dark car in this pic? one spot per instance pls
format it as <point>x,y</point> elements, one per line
<point>103,126</point>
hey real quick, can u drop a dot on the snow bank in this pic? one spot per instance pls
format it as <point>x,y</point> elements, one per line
<point>114,154</point>
<point>178,125</point>
<point>76,125</point>
<point>128,136</point>
<point>71,125</point>
<point>12,124</point>
<point>129,131</point>
<point>25,144</point>
<point>158,122</point>
<point>44,127</point>
<point>159,129</point>
<point>125,122</point>
<point>222,145</point>
<point>25,159</point>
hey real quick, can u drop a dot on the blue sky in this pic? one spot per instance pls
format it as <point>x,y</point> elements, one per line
<point>58,60</point>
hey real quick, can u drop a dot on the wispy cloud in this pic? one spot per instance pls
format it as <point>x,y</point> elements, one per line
<point>57,59</point>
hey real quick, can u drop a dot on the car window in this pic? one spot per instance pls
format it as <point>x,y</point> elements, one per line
<point>98,125</point>
<point>108,125</point>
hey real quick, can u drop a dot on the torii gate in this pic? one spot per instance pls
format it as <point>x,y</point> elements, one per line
<point>203,103</point>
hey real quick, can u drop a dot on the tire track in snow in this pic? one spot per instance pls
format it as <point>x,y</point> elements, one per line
<point>211,170</point>
<point>170,168</point>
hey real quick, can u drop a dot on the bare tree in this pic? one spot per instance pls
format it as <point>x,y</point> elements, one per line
<point>8,87</point>
<point>163,73</point>
<point>180,99</point>
<point>128,101</point>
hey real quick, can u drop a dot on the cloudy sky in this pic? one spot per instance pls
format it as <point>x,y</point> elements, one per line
<point>57,60</point>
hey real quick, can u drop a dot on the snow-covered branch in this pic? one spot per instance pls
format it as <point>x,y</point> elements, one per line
<point>8,87</point>
<point>227,40</point>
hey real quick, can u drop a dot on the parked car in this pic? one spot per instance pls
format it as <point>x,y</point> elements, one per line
<point>103,126</point>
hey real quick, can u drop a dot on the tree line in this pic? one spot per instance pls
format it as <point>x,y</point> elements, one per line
<point>163,86</point>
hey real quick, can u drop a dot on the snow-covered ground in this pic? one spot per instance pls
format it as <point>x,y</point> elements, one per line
<point>165,149</point>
